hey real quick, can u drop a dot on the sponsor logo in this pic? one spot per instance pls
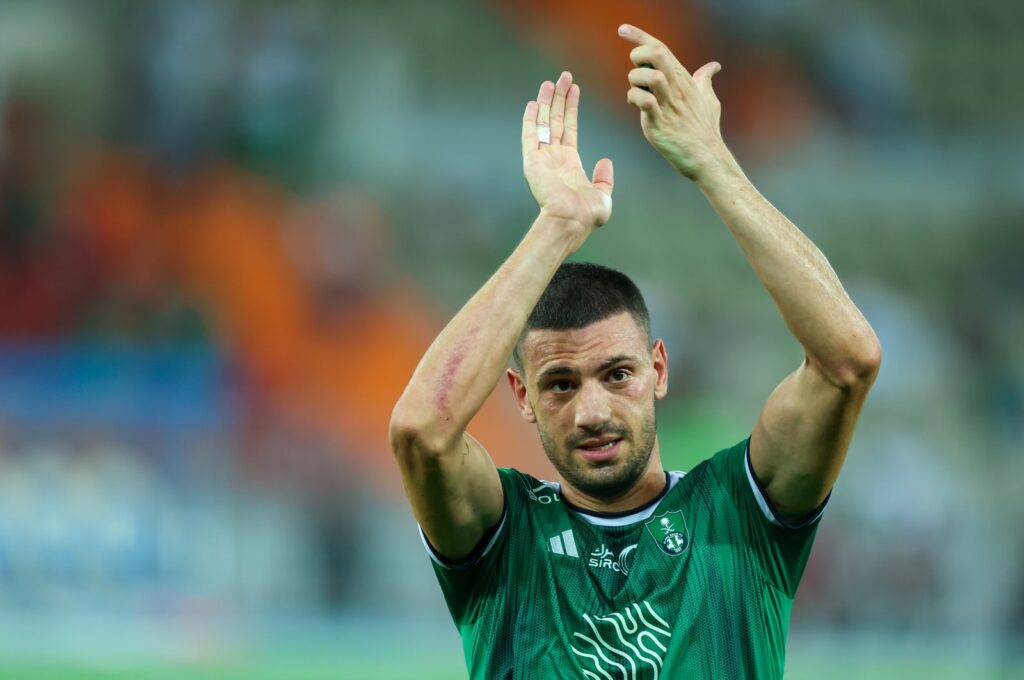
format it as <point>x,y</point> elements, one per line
<point>628,644</point>
<point>543,494</point>
<point>669,532</point>
<point>603,558</point>
<point>564,544</point>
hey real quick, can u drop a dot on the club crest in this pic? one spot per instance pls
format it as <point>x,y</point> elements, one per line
<point>669,532</point>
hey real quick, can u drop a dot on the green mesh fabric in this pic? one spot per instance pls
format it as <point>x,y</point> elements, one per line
<point>705,593</point>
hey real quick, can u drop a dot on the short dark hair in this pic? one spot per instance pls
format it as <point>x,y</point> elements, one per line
<point>582,293</point>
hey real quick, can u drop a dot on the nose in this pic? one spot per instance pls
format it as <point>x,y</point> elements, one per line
<point>592,407</point>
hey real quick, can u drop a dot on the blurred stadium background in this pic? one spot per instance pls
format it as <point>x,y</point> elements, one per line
<point>228,230</point>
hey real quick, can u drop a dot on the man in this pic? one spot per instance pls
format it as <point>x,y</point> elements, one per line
<point>624,570</point>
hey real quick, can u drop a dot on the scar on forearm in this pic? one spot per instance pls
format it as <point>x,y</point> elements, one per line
<point>451,366</point>
<point>450,370</point>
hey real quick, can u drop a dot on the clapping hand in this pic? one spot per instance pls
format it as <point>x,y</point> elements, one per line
<point>552,164</point>
<point>679,112</point>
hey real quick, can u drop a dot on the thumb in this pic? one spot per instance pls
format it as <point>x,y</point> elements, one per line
<point>702,76</point>
<point>604,176</point>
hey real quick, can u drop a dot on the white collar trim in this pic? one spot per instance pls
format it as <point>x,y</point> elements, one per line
<point>640,515</point>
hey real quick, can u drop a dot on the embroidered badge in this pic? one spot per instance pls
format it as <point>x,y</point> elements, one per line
<point>669,532</point>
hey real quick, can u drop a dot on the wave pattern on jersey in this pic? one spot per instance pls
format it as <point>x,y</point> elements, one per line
<point>627,645</point>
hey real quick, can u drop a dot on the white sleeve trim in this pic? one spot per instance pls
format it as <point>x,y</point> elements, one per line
<point>447,564</point>
<point>766,508</point>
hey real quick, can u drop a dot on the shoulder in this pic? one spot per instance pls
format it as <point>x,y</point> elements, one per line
<point>730,471</point>
<point>719,478</point>
<point>521,486</point>
<point>724,464</point>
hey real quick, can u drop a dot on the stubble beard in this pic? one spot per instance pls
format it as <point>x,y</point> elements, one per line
<point>605,482</point>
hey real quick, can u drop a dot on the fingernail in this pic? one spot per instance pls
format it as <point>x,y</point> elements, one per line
<point>624,29</point>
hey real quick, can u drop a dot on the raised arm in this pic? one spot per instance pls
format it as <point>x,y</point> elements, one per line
<point>449,477</point>
<point>801,437</point>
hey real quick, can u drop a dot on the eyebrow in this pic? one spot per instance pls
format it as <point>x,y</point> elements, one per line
<point>567,371</point>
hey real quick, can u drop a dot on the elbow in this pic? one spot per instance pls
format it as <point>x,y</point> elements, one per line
<point>859,366</point>
<point>868,362</point>
<point>416,434</point>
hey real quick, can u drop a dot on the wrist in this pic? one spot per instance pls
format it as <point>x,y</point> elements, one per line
<point>718,169</point>
<point>560,232</point>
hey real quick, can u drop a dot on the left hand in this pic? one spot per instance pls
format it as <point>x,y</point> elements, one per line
<point>679,112</point>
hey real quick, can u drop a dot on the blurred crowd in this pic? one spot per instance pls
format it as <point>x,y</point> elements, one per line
<point>228,231</point>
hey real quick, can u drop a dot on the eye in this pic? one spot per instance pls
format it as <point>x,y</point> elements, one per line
<point>619,375</point>
<point>560,386</point>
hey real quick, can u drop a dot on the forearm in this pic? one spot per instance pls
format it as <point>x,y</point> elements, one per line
<point>465,361</point>
<point>809,295</point>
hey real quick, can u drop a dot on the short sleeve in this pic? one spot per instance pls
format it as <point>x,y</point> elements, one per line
<point>781,548</point>
<point>467,582</point>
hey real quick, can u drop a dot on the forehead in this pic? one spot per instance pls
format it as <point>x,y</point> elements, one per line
<point>618,335</point>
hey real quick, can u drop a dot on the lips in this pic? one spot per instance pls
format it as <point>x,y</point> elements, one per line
<point>597,442</point>
<point>600,449</point>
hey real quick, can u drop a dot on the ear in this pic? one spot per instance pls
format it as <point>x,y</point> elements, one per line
<point>518,385</point>
<point>660,359</point>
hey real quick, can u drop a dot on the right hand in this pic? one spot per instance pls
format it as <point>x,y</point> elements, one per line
<point>554,170</point>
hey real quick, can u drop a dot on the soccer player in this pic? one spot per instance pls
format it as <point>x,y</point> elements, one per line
<point>624,570</point>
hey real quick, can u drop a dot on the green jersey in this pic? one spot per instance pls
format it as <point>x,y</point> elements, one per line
<point>697,584</point>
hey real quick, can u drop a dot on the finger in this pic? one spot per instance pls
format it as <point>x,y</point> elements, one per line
<point>530,128</point>
<point>650,50</point>
<point>544,97</point>
<point>703,75</point>
<point>636,36</point>
<point>661,58</point>
<point>652,80</point>
<point>604,176</point>
<point>645,101</point>
<point>558,106</point>
<point>572,109</point>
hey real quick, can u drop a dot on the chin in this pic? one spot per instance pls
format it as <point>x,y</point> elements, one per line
<point>609,481</point>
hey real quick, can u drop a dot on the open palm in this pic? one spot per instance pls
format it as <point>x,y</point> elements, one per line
<point>552,166</point>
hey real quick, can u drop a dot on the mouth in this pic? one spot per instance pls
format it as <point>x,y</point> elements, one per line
<point>600,451</point>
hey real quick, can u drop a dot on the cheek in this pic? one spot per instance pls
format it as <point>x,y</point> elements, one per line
<point>550,434</point>
<point>649,385</point>
<point>554,418</point>
<point>637,389</point>
<point>634,401</point>
<point>554,408</point>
